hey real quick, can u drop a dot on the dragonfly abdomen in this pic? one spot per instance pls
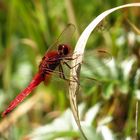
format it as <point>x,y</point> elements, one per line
<point>38,78</point>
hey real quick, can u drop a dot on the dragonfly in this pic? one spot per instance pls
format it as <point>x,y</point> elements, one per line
<point>56,56</point>
<point>52,59</point>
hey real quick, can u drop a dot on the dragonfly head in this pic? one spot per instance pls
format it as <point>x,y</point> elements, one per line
<point>63,49</point>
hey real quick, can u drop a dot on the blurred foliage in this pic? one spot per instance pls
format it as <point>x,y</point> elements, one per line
<point>29,27</point>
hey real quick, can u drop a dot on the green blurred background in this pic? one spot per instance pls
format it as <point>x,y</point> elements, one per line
<point>28,28</point>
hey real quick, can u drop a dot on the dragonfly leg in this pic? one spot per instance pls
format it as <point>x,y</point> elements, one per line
<point>61,69</point>
<point>62,75</point>
<point>69,58</point>
<point>65,62</point>
<point>61,72</point>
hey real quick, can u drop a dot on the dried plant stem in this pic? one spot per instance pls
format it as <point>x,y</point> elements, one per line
<point>71,15</point>
<point>136,120</point>
<point>79,49</point>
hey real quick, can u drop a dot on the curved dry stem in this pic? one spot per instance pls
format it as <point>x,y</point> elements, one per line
<point>79,49</point>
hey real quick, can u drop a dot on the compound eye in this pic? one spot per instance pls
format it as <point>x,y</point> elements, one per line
<point>60,47</point>
<point>65,50</point>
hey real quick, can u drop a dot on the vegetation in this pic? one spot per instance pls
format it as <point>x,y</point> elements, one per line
<point>107,105</point>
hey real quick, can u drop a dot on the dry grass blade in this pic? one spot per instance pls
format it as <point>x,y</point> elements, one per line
<point>71,15</point>
<point>134,27</point>
<point>136,120</point>
<point>79,49</point>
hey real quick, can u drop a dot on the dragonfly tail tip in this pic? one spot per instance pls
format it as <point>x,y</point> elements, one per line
<point>4,114</point>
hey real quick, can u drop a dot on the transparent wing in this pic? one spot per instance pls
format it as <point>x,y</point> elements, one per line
<point>95,63</point>
<point>64,38</point>
<point>93,66</point>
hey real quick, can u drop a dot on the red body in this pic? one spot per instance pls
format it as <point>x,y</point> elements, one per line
<point>36,81</point>
<point>48,64</point>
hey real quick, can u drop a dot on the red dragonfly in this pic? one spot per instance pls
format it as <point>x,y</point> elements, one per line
<point>51,60</point>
